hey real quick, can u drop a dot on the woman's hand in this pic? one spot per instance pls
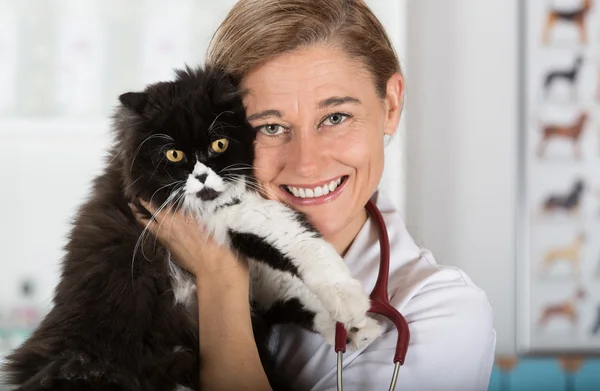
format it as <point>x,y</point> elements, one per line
<point>222,282</point>
<point>190,245</point>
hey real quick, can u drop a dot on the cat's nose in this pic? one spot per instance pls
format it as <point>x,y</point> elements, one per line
<point>202,177</point>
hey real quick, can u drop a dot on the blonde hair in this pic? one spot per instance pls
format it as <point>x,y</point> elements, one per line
<point>255,31</point>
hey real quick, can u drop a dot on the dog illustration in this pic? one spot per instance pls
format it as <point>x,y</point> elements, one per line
<point>572,132</point>
<point>598,84</point>
<point>576,17</point>
<point>569,202</point>
<point>570,253</point>
<point>566,309</point>
<point>570,75</point>
<point>596,326</point>
<point>571,364</point>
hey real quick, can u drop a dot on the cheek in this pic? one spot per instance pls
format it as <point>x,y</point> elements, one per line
<point>267,163</point>
<point>361,150</point>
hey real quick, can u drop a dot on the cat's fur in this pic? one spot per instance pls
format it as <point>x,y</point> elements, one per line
<point>124,315</point>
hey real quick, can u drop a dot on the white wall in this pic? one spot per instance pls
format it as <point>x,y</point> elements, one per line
<point>462,142</point>
<point>393,15</point>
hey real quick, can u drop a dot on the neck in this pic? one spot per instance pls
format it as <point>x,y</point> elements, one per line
<point>344,238</point>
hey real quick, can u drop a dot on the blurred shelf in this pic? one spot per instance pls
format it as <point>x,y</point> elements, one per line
<point>527,374</point>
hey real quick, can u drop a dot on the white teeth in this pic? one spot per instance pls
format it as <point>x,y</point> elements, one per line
<point>317,191</point>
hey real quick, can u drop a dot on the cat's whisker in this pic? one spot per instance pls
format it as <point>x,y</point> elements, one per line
<point>240,164</point>
<point>234,140</point>
<point>164,146</point>
<point>260,189</point>
<point>131,184</point>
<point>153,136</point>
<point>272,194</point>
<point>236,165</point>
<point>167,185</point>
<point>166,136</point>
<point>180,207</point>
<point>153,218</point>
<point>238,168</point>
<point>156,168</point>
<point>225,170</point>
<point>227,136</point>
<point>145,232</point>
<point>249,167</point>
<point>218,126</point>
<point>210,128</point>
<point>231,170</point>
<point>172,205</point>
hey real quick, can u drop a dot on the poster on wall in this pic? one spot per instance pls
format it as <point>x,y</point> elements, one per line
<point>559,253</point>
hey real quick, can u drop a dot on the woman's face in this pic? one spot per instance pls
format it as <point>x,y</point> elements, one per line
<point>319,145</point>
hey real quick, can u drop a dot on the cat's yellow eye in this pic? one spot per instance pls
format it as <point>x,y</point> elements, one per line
<point>175,155</point>
<point>220,145</point>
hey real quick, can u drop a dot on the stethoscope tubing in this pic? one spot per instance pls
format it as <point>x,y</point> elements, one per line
<point>379,304</point>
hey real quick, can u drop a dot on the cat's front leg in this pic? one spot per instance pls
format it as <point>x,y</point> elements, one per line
<point>283,298</point>
<point>273,233</point>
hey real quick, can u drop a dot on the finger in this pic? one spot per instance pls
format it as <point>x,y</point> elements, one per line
<point>141,209</point>
<point>158,215</point>
<point>142,217</point>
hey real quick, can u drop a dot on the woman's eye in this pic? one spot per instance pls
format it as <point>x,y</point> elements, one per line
<point>335,119</point>
<point>271,130</point>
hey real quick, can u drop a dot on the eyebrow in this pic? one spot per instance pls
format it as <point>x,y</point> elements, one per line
<point>337,101</point>
<point>329,102</point>
<point>265,114</point>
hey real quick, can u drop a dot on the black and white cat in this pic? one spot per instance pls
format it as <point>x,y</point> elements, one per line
<point>124,316</point>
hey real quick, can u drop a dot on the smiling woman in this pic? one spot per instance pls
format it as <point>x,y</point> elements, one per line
<point>322,88</point>
<point>317,128</point>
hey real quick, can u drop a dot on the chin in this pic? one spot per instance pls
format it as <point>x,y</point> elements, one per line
<point>327,225</point>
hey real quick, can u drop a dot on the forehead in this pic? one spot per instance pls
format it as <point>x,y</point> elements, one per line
<point>310,74</point>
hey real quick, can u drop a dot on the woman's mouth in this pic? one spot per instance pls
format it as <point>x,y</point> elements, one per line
<point>310,195</point>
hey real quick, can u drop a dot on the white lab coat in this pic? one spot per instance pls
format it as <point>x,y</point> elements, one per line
<point>452,336</point>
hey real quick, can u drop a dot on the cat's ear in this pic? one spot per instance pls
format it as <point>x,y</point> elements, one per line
<point>136,101</point>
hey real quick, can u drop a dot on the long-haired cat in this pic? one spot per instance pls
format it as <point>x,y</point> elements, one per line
<point>124,316</point>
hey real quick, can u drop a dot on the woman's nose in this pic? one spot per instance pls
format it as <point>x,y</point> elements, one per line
<point>306,155</point>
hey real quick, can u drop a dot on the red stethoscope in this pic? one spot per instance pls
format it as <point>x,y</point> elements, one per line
<point>380,304</point>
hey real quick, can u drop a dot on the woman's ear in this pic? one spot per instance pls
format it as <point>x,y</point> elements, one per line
<point>394,101</point>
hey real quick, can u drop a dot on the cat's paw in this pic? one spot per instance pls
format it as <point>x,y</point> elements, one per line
<point>345,300</point>
<point>361,336</point>
<point>357,337</point>
<point>327,330</point>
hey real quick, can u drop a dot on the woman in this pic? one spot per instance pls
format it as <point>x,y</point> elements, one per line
<point>323,88</point>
